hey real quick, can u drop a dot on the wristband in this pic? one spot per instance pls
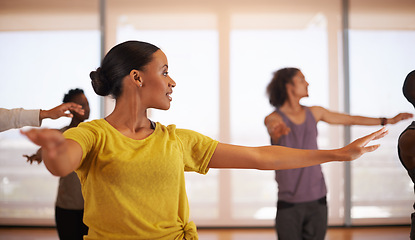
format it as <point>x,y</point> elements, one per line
<point>383,121</point>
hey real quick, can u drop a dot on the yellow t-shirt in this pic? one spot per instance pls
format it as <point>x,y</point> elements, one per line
<point>135,189</point>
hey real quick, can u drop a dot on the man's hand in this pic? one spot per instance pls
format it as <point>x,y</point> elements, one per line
<point>400,117</point>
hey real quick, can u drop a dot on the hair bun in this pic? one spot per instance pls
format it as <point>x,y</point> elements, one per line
<point>99,82</point>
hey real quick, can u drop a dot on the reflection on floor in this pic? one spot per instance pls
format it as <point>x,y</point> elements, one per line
<point>333,233</point>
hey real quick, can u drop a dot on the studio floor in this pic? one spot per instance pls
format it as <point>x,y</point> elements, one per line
<point>333,233</point>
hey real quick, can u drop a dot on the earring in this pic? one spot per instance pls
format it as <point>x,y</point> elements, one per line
<point>141,84</point>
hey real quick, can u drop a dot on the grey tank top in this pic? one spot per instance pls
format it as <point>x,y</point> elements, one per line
<point>301,184</point>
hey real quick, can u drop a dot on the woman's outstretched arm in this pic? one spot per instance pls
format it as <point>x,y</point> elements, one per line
<point>61,156</point>
<point>278,157</point>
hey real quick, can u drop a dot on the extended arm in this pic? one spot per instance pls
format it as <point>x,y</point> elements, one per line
<point>61,156</point>
<point>277,157</point>
<point>19,117</point>
<point>325,115</point>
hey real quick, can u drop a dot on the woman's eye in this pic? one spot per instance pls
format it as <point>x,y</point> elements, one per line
<point>165,74</point>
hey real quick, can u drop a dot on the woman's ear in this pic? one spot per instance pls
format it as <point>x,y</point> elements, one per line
<point>135,74</point>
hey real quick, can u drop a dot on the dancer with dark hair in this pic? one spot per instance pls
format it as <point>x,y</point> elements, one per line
<point>69,206</point>
<point>302,206</point>
<point>132,169</point>
<point>406,142</point>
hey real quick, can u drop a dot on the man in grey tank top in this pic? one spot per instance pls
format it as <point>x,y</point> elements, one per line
<point>301,207</point>
<point>406,142</point>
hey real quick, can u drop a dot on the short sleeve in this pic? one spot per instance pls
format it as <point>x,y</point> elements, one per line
<point>85,136</point>
<point>197,150</point>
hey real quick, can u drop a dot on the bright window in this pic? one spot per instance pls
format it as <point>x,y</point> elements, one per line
<point>380,61</point>
<point>39,67</point>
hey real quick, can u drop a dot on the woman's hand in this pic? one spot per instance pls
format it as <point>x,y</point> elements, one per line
<point>61,156</point>
<point>358,147</point>
<point>49,139</point>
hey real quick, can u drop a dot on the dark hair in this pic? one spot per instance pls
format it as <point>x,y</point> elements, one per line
<point>276,89</point>
<point>72,93</point>
<point>118,63</point>
<point>408,88</point>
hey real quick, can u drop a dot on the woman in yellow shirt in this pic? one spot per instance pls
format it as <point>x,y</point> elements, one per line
<point>132,169</point>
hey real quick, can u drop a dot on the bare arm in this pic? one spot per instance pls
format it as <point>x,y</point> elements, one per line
<point>277,157</point>
<point>61,156</point>
<point>407,149</point>
<point>325,115</point>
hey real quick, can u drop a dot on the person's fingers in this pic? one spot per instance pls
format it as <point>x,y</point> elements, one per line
<point>28,158</point>
<point>407,116</point>
<point>374,136</point>
<point>381,135</point>
<point>74,107</point>
<point>281,129</point>
<point>43,137</point>
<point>402,116</point>
<point>358,147</point>
<point>31,134</point>
<point>68,115</point>
<point>371,148</point>
<point>70,105</point>
<point>79,111</point>
<point>60,111</point>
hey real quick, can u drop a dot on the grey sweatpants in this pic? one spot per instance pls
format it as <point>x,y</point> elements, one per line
<point>302,221</point>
